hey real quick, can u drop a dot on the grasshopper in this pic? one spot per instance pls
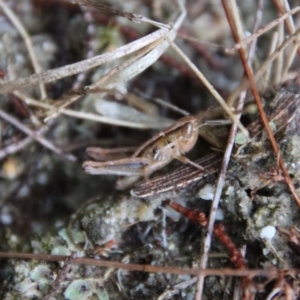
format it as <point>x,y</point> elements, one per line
<point>154,154</point>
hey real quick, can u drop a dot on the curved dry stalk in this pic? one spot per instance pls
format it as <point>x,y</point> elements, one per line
<point>27,40</point>
<point>82,66</point>
<point>108,81</point>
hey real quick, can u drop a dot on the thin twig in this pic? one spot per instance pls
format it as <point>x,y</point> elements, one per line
<point>266,77</point>
<point>90,39</point>
<point>280,58</point>
<point>194,215</point>
<point>113,11</point>
<point>265,29</point>
<point>128,15</point>
<point>290,59</point>
<point>226,159</point>
<point>61,276</point>
<point>15,147</point>
<point>34,135</point>
<point>150,268</point>
<point>289,21</point>
<point>165,104</point>
<point>262,69</point>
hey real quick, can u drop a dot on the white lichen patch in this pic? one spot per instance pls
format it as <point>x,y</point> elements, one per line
<point>71,241</point>
<point>6,217</point>
<point>268,232</point>
<point>31,280</point>
<point>60,250</point>
<point>43,276</point>
<point>28,289</point>
<point>229,190</point>
<point>207,192</point>
<point>84,288</point>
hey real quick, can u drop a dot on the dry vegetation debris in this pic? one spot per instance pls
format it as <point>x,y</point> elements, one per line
<point>82,74</point>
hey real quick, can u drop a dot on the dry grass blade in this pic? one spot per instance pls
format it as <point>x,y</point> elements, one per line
<point>117,75</point>
<point>82,66</point>
<point>130,68</point>
<point>148,268</point>
<point>123,112</point>
<point>266,77</point>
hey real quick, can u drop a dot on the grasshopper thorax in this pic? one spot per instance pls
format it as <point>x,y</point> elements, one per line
<point>187,136</point>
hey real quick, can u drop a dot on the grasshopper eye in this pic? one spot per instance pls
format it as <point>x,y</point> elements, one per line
<point>155,153</point>
<point>172,145</point>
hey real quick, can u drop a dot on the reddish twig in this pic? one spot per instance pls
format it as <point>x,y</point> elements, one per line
<point>236,256</point>
<point>264,119</point>
<point>2,73</point>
